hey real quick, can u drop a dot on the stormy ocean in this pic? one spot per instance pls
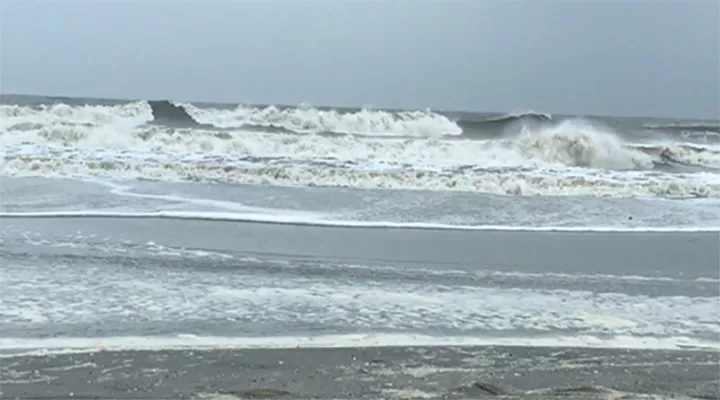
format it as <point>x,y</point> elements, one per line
<point>156,249</point>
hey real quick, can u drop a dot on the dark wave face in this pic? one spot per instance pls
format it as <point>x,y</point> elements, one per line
<point>167,113</point>
<point>502,125</point>
<point>171,115</point>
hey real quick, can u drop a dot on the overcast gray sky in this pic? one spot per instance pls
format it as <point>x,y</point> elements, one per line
<point>633,57</point>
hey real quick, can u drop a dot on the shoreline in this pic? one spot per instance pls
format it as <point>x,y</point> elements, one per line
<point>448,372</point>
<point>43,346</point>
<point>257,218</point>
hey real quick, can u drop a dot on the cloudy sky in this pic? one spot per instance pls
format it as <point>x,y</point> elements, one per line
<point>632,57</point>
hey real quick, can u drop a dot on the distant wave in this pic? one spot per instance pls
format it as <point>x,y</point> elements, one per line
<point>695,132</point>
<point>499,125</point>
<point>524,116</point>
<point>304,220</point>
<point>275,121</point>
<point>698,127</point>
<point>403,123</point>
<point>323,120</point>
<point>682,158</point>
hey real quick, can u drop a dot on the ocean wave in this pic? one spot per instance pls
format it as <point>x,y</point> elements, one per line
<point>574,143</point>
<point>499,182</point>
<point>539,156</point>
<point>270,118</point>
<point>308,119</point>
<point>277,119</point>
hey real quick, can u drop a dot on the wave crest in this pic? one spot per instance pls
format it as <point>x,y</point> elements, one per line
<point>313,120</point>
<point>575,143</point>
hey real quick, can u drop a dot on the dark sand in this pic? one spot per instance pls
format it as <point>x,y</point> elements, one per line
<point>366,373</point>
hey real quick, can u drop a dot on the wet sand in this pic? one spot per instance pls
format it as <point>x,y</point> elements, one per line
<point>365,373</point>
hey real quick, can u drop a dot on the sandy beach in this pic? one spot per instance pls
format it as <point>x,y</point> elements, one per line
<point>366,373</point>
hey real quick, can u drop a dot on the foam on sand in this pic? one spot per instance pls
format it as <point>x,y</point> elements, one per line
<point>14,346</point>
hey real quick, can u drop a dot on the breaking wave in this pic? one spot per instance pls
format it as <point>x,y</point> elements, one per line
<point>527,153</point>
<point>574,143</point>
<point>308,119</point>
